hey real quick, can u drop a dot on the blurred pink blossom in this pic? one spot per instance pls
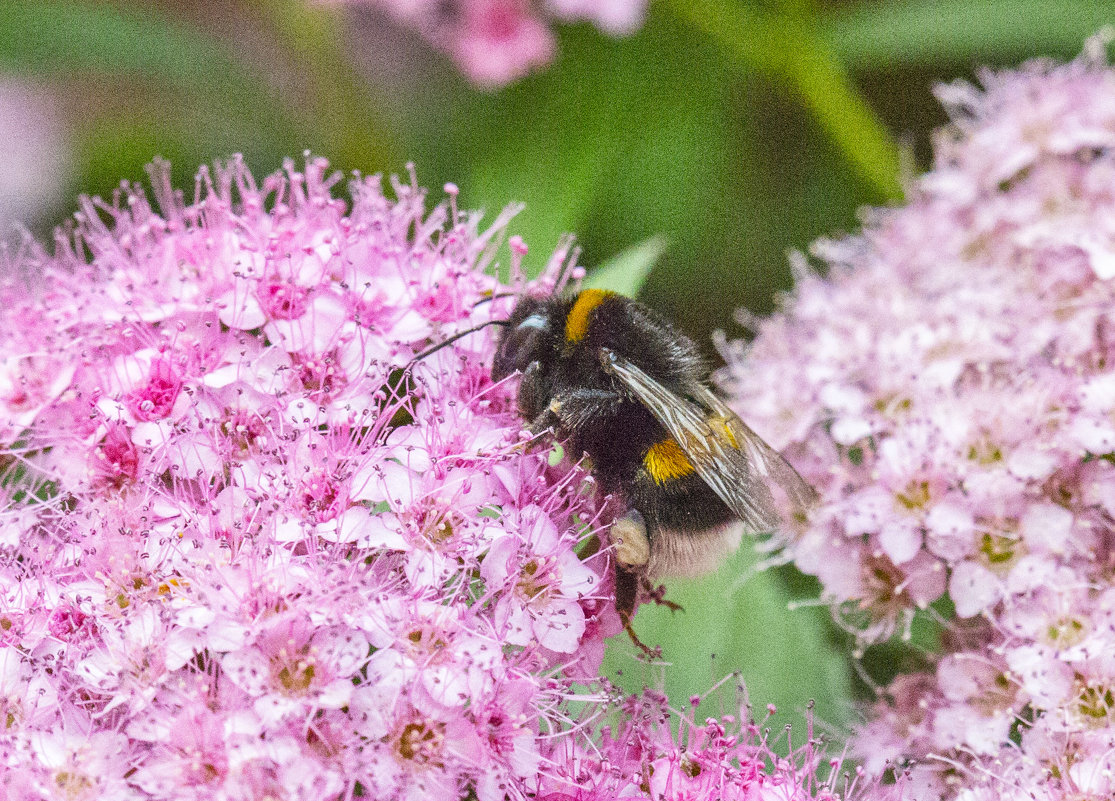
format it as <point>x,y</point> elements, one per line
<point>496,42</point>
<point>37,157</point>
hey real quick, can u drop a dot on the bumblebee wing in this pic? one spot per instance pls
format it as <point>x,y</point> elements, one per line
<point>755,482</point>
<point>776,473</point>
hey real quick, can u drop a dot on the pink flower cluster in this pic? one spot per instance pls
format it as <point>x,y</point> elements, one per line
<point>496,42</point>
<point>949,389</point>
<point>242,547</point>
<point>729,759</point>
<point>250,548</point>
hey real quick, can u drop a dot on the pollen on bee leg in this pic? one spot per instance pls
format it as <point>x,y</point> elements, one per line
<point>629,536</point>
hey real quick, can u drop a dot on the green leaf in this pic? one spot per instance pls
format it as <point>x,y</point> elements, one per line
<point>62,36</point>
<point>787,49</point>
<point>550,140</point>
<point>184,96</point>
<point>731,174</point>
<point>675,175</point>
<point>730,624</point>
<point>626,272</point>
<point>884,34</point>
<point>196,76</point>
<point>345,108</point>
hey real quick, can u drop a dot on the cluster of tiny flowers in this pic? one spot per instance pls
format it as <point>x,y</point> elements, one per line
<point>244,550</point>
<point>949,389</point>
<point>729,758</point>
<point>256,543</point>
<point>496,42</point>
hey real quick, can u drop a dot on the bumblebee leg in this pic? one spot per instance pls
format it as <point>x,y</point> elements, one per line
<point>536,439</point>
<point>654,653</point>
<point>545,421</point>
<point>576,407</point>
<point>629,536</point>
<point>632,550</point>
<point>658,595</point>
<point>566,413</point>
<point>627,591</point>
<point>532,392</point>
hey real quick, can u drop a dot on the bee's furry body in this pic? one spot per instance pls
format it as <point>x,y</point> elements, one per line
<point>557,343</point>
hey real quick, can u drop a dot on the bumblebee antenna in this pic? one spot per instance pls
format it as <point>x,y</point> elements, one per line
<point>490,298</point>
<point>455,337</point>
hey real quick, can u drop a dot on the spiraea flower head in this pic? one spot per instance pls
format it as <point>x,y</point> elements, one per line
<point>251,546</point>
<point>948,387</point>
<point>246,537</point>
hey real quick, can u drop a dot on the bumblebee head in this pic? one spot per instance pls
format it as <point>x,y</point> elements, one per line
<point>528,336</point>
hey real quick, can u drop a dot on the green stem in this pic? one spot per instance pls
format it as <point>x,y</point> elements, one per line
<point>789,50</point>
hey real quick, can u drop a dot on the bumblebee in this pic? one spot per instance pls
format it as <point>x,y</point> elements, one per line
<point>619,382</point>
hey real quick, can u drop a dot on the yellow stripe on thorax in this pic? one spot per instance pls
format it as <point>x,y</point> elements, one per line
<point>666,461</point>
<point>576,323</point>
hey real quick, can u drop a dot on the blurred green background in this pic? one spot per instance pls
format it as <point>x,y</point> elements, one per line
<point>734,131</point>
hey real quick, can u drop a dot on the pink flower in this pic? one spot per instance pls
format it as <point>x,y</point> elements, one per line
<point>253,549</point>
<point>949,409</point>
<point>495,42</point>
<point>952,378</point>
<point>38,156</point>
<point>539,582</point>
<point>723,758</point>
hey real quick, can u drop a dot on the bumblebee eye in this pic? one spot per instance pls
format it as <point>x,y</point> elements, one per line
<point>520,346</point>
<point>534,321</point>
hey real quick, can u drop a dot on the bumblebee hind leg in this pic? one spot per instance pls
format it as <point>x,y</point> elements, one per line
<point>631,541</point>
<point>628,583</point>
<point>631,550</point>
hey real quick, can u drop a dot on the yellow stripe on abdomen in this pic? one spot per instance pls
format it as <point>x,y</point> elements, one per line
<point>666,461</point>
<point>726,432</point>
<point>576,323</point>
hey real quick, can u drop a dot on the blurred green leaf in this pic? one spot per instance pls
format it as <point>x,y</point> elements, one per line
<point>346,112</point>
<point>783,656</point>
<point>211,102</point>
<point>674,175</point>
<point>550,140</point>
<point>787,49</point>
<point>114,147</point>
<point>626,272</point>
<point>63,36</point>
<point>917,32</point>
<point>165,70</point>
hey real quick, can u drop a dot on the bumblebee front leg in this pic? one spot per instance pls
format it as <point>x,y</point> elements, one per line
<point>533,394</point>
<point>569,411</point>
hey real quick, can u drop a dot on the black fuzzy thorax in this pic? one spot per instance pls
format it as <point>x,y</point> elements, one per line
<point>620,434</point>
<point>618,437</point>
<point>561,363</point>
